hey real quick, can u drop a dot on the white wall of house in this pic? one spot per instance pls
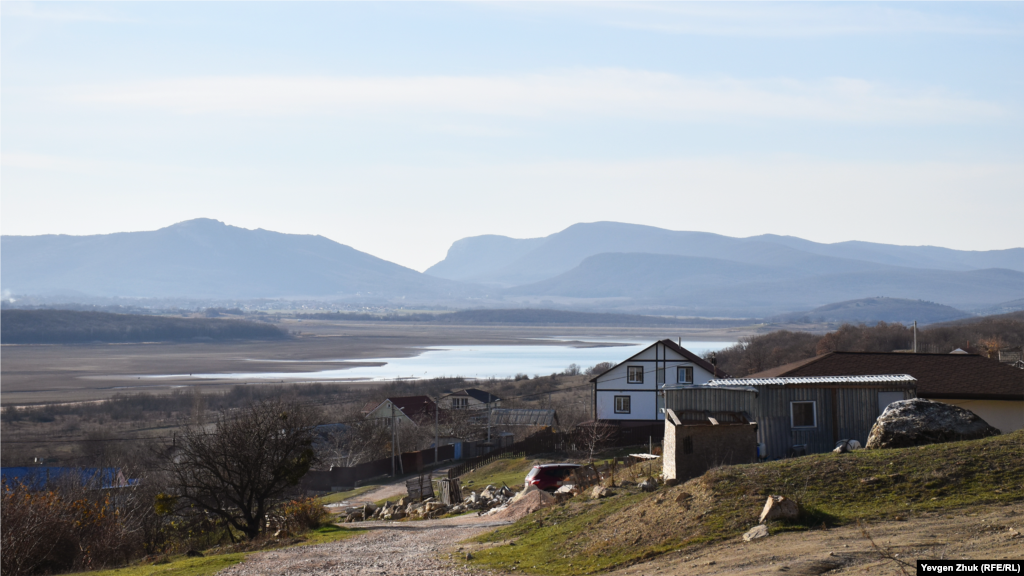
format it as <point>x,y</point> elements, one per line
<point>383,414</point>
<point>1006,415</point>
<point>658,366</point>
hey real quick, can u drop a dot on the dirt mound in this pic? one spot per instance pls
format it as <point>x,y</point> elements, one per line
<point>529,502</point>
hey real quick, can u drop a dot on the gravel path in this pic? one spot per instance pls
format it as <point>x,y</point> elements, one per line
<point>389,548</point>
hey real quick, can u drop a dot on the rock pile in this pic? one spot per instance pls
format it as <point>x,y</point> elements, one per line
<point>916,422</point>
<point>487,499</point>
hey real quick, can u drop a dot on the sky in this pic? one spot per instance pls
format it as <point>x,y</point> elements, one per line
<point>398,128</point>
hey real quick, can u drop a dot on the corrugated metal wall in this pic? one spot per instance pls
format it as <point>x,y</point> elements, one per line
<point>854,412</point>
<point>711,399</point>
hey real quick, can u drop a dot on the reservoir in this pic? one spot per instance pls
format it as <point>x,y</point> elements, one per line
<point>481,362</point>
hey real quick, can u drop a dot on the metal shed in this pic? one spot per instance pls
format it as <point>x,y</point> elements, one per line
<point>800,414</point>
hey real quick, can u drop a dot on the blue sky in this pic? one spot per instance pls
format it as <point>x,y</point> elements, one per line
<point>398,128</point>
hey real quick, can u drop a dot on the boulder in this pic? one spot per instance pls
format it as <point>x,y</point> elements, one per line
<point>683,497</point>
<point>779,508</point>
<point>649,485</point>
<point>565,489</point>
<point>917,422</point>
<point>402,502</point>
<point>759,531</point>
<point>598,492</point>
<point>354,517</point>
<point>488,492</point>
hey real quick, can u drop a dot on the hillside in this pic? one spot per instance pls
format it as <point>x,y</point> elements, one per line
<point>513,262</point>
<point>758,289</point>
<point>72,327</point>
<point>585,536</point>
<point>872,310</point>
<point>205,258</point>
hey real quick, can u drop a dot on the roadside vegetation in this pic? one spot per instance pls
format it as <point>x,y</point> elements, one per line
<point>585,536</point>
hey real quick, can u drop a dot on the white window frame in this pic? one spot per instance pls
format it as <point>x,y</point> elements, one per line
<point>629,375</point>
<point>814,414</point>
<point>682,370</point>
<point>629,404</point>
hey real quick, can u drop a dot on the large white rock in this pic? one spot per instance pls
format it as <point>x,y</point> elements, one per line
<point>917,422</point>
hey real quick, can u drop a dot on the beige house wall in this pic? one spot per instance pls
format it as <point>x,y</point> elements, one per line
<point>1006,415</point>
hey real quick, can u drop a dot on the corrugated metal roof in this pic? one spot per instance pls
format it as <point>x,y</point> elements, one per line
<point>795,380</point>
<point>523,417</point>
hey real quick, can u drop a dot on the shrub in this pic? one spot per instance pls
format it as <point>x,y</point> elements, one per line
<point>304,514</point>
<point>51,531</point>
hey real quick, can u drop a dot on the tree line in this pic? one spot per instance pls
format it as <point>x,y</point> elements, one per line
<point>76,327</point>
<point>529,317</point>
<point>986,335</point>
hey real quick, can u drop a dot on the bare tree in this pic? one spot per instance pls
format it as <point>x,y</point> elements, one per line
<point>591,437</point>
<point>240,471</point>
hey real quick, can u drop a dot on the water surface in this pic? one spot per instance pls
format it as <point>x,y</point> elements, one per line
<point>502,361</point>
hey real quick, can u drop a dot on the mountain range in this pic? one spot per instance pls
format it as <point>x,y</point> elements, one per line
<point>601,266</point>
<point>205,258</point>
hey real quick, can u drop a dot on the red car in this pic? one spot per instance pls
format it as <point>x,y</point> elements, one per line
<point>550,476</point>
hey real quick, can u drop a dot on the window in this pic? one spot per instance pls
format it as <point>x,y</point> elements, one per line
<point>803,414</point>
<point>635,374</point>
<point>622,404</point>
<point>684,375</point>
<point>458,403</point>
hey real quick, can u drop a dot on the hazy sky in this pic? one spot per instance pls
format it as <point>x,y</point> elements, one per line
<point>399,128</point>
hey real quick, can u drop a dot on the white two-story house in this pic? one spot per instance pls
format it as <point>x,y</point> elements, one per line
<point>632,392</point>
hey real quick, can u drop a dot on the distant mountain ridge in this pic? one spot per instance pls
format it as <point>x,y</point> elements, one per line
<point>636,268</point>
<point>595,267</point>
<point>530,260</point>
<point>208,259</point>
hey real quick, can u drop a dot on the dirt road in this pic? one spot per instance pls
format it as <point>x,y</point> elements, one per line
<point>390,548</point>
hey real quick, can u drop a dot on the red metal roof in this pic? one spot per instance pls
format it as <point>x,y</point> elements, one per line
<point>939,376</point>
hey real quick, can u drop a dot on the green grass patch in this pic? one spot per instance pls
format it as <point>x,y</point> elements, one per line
<point>510,471</point>
<point>347,495</point>
<point>178,567</point>
<point>584,536</point>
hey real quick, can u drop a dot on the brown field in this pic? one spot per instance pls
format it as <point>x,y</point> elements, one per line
<point>33,374</point>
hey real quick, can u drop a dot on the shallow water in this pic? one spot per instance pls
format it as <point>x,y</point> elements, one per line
<point>472,362</point>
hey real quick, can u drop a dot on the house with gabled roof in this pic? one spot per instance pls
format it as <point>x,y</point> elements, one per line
<point>470,399</point>
<point>631,393</point>
<point>405,409</point>
<point>992,390</point>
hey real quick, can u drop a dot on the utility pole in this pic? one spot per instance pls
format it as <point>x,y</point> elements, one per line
<point>435,429</point>
<point>392,439</point>
<point>915,336</point>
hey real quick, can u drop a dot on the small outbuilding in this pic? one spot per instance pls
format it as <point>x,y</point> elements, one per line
<point>799,415</point>
<point>696,442</point>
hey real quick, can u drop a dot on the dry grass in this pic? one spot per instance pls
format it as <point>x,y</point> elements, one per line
<point>586,536</point>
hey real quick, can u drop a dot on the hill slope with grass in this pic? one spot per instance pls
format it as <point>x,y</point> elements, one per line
<point>585,536</point>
